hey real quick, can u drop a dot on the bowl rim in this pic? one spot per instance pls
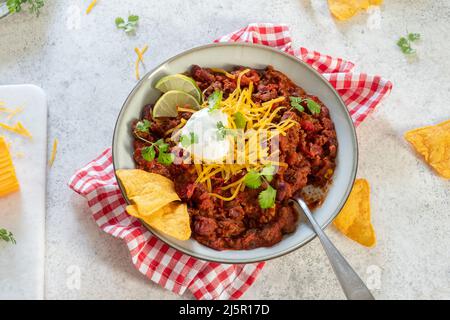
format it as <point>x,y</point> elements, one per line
<point>339,207</point>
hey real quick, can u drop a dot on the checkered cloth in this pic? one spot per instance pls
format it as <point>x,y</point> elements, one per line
<point>170,268</point>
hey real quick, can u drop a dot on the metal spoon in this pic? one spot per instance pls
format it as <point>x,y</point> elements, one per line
<point>352,285</point>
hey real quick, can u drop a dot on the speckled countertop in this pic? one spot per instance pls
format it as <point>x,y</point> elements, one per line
<point>86,67</point>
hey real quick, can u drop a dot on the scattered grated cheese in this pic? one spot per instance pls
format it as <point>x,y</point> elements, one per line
<point>54,151</point>
<point>18,128</point>
<point>91,6</point>
<point>140,59</point>
<point>11,112</point>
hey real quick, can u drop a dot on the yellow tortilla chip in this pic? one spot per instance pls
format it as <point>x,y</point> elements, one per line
<point>134,181</point>
<point>433,143</point>
<point>133,211</point>
<point>155,201</point>
<point>354,218</point>
<point>345,9</point>
<point>154,198</point>
<point>173,220</point>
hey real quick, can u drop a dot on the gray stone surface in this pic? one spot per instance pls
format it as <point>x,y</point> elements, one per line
<point>86,67</point>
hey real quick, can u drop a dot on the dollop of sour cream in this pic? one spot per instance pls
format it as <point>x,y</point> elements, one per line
<point>204,124</point>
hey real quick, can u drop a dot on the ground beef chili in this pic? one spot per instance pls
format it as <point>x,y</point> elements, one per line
<point>308,148</point>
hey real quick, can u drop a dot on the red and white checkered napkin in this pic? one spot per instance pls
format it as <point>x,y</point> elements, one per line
<point>172,269</point>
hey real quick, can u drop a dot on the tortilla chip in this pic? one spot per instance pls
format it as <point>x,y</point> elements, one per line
<point>354,218</point>
<point>133,211</point>
<point>173,220</point>
<point>134,181</point>
<point>155,201</point>
<point>345,9</point>
<point>433,143</point>
<point>153,198</point>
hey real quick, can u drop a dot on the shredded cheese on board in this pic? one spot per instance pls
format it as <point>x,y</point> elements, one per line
<point>18,128</point>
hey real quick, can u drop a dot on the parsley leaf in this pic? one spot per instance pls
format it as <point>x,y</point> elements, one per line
<point>253,179</point>
<point>166,158</point>
<point>296,103</point>
<point>143,126</point>
<point>267,197</point>
<point>33,5</point>
<point>128,26</point>
<point>187,140</point>
<point>7,236</point>
<point>313,106</point>
<point>214,100</point>
<point>240,120</point>
<point>148,153</point>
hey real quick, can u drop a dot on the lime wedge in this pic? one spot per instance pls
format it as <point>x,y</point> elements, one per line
<point>167,105</point>
<point>180,82</point>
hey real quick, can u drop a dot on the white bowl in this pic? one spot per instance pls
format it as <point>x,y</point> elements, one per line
<point>228,55</point>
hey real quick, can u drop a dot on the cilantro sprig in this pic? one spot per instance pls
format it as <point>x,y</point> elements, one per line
<point>7,236</point>
<point>164,156</point>
<point>214,100</point>
<point>128,26</point>
<point>143,126</point>
<point>222,131</point>
<point>313,107</point>
<point>34,6</point>
<point>404,43</point>
<point>254,179</point>
<point>187,140</point>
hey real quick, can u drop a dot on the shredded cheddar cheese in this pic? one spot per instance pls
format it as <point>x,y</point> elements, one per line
<point>264,117</point>
<point>8,178</point>
<point>91,6</point>
<point>18,128</point>
<point>11,112</point>
<point>140,59</point>
<point>54,151</point>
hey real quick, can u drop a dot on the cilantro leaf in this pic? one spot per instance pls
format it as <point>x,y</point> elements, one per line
<point>187,140</point>
<point>128,26</point>
<point>143,126</point>
<point>268,172</point>
<point>240,120</point>
<point>7,236</point>
<point>267,197</point>
<point>413,36</point>
<point>253,179</point>
<point>221,131</point>
<point>34,6</point>
<point>161,145</point>
<point>166,158</point>
<point>148,153</point>
<point>404,43</point>
<point>214,100</point>
<point>296,103</point>
<point>313,106</point>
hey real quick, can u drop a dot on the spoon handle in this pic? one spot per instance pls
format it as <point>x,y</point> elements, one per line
<point>352,285</point>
